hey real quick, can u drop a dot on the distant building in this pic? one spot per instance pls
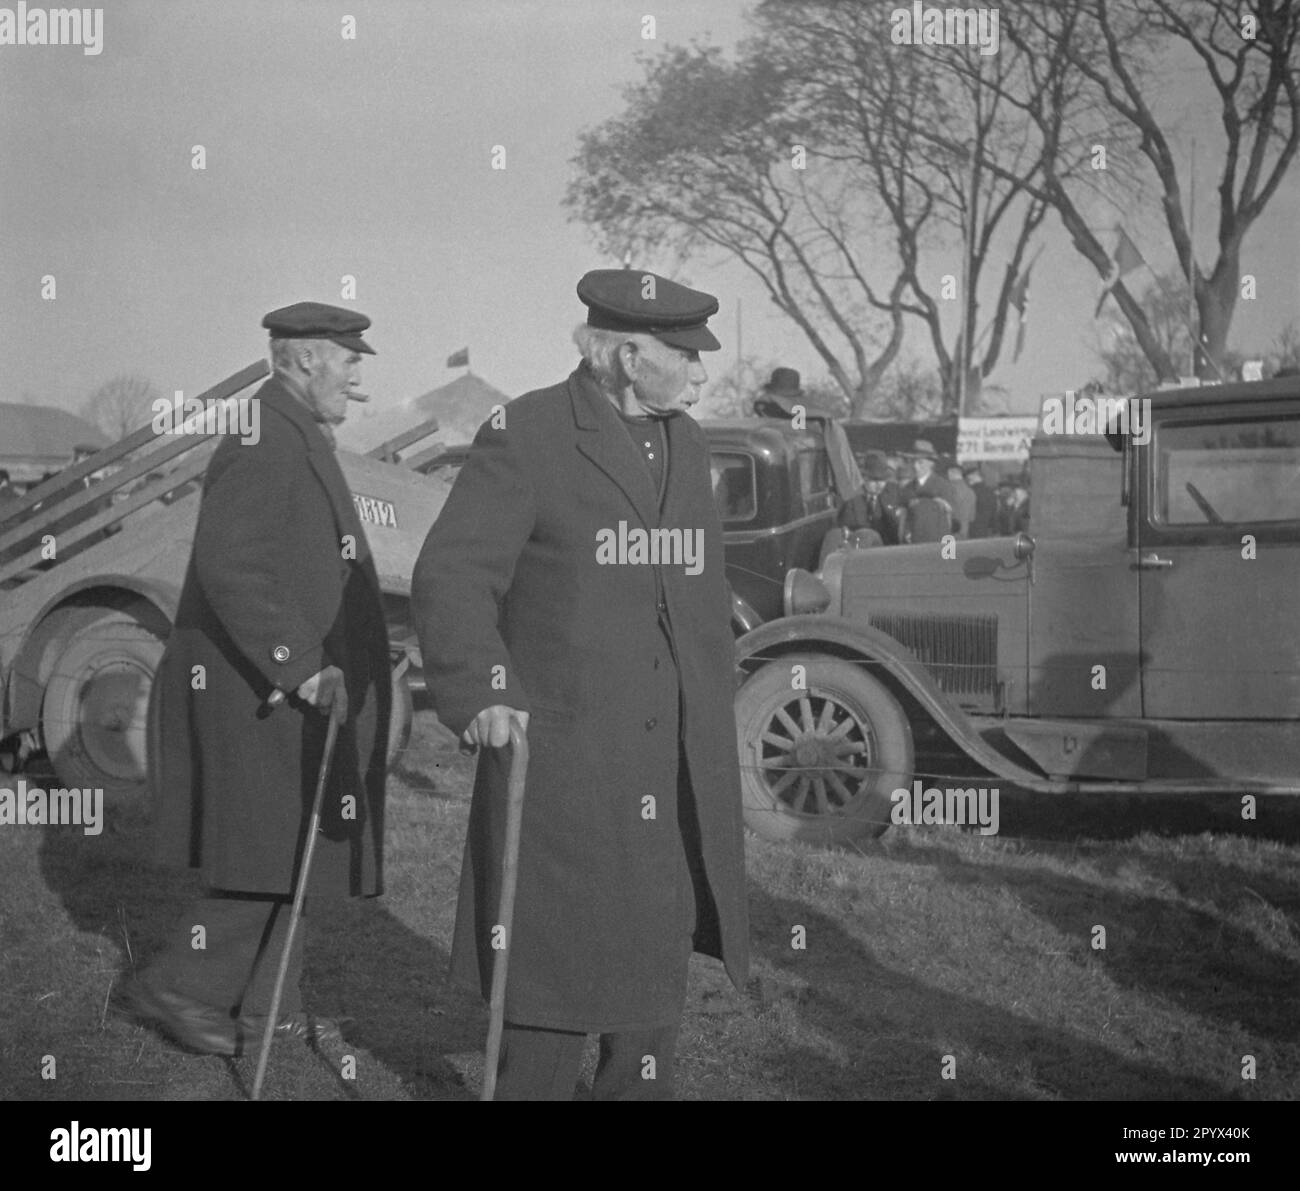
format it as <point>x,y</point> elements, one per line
<point>35,439</point>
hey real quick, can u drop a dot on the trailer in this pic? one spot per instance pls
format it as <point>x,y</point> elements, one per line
<point>91,567</point>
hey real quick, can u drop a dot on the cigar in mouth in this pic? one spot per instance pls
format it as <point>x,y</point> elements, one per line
<point>355,396</point>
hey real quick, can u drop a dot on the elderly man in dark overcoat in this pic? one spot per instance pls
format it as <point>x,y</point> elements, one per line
<point>574,582</point>
<point>281,595</point>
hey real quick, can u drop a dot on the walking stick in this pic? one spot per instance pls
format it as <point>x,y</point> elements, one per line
<point>299,893</point>
<point>506,909</point>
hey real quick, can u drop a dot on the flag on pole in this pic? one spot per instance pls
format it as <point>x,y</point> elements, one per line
<point>1124,260</point>
<point>459,359</point>
<point>1020,300</point>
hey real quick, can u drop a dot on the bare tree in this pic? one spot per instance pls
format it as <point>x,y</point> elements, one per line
<point>1128,366</point>
<point>910,392</point>
<point>121,405</point>
<point>1122,53</point>
<point>920,125</point>
<point>1283,356</point>
<point>834,165</point>
<point>731,394</point>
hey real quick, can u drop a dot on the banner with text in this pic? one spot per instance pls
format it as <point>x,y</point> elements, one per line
<point>980,439</point>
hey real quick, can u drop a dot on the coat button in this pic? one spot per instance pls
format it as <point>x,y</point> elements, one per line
<point>650,723</point>
<point>662,606</point>
<point>280,654</point>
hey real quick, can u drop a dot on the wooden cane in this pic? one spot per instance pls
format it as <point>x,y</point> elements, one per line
<point>299,894</point>
<point>506,908</point>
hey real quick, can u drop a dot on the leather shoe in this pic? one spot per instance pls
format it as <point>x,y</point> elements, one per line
<point>303,1025</point>
<point>194,1024</point>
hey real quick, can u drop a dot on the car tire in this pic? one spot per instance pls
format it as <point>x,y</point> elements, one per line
<point>821,750</point>
<point>94,711</point>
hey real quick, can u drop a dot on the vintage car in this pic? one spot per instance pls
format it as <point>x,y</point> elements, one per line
<point>1142,637</point>
<point>776,497</point>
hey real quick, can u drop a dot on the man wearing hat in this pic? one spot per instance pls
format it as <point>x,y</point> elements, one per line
<point>574,583</point>
<point>876,508</point>
<point>778,397</point>
<point>984,520</point>
<point>963,499</point>
<point>927,498</point>
<point>1013,505</point>
<point>281,595</point>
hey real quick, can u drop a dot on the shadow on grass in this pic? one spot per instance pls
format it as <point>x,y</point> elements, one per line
<point>1068,817</point>
<point>363,963</point>
<point>892,1032</point>
<point>1184,948</point>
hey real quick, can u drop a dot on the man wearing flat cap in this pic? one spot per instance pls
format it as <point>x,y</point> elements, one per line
<point>574,582</point>
<point>281,596</point>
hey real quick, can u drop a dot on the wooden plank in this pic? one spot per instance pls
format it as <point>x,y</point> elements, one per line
<point>96,492</point>
<point>195,465</point>
<point>388,449</point>
<point>428,455</point>
<point>124,446</point>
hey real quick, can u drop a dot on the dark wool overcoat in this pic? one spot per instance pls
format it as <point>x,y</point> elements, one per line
<point>280,563</point>
<point>514,605</point>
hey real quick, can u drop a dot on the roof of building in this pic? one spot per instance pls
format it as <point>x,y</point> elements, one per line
<point>42,437</point>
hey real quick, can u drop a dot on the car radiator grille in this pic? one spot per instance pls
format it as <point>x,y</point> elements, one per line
<point>961,652</point>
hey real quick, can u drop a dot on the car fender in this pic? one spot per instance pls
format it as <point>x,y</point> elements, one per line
<point>843,638</point>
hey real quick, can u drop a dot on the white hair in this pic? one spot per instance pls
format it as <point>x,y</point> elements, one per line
<point>599,348</point>
<point>284,352</point>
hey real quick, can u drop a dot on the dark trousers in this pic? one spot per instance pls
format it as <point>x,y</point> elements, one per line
<point>235,968</point>
<point>543,1064</point>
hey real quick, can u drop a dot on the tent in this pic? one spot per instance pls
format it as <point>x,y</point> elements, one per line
<point>461,407</point>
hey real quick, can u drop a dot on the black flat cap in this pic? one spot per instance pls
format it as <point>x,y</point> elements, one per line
<point>315,320</point>
<point>634,300</point>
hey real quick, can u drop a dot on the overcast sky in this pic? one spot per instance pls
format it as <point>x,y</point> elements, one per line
<point>372,157</point>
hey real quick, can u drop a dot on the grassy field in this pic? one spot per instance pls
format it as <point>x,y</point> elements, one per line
<point>932,948</point>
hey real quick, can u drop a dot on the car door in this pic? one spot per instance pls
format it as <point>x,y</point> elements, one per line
<point>1219,562</point>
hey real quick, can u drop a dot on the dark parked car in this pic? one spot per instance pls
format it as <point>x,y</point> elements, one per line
<point>776,498</point>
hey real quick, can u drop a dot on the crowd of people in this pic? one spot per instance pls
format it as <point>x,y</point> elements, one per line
<point>921,497</point>
<point>902,499</point>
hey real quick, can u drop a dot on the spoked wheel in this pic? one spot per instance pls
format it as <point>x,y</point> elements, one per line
<point>823,745</point>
